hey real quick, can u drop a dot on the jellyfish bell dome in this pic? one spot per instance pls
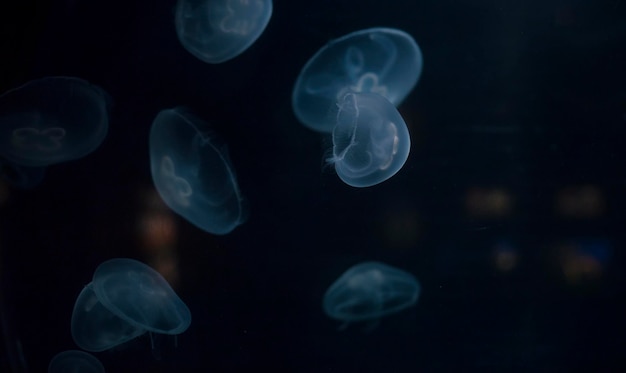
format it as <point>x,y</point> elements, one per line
<point>52,120</point>
<point>371,141</point>
<point>125,300</point>
<point>193,174</point>
<point>369,291</point>
<point>140,295</point>
<point>378,60</point>
<point>216,31</point>
<point>95,328</point>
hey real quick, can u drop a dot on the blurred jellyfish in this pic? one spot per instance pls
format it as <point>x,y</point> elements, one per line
<point>193,174</point>
<point>125,300</point>
<point>216,31</point>
<point>369,291</point>
<point>75,361</point>
<point>377,60</point>
<point>371,141</point>
<point>52,120</point>
<point>21,177</point>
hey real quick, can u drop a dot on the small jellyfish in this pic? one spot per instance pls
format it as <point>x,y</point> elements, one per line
<point>216,31</point>
<point>125,300</point>
<point>369,291</point>
<point>52,120</point>
<point>75,361</point>
<point>371,141</point>
<point>377,60</point>
<point>193,174</point>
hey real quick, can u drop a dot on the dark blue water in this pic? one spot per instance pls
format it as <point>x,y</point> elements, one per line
<point>509,209</point>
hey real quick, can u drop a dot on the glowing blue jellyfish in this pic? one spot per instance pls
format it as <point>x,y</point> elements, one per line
<point>193,174</point>
<point>378,60</point>
<point>52,120</point>
<point>218,30</point>
<point>75,361</point>
<point>125,300</point>
<point>369,291</point>
<point>371,142</point>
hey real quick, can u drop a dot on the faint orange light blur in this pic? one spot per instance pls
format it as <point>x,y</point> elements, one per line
<point>157,230</point>
<point>578,266</point>
<point>158,235</point>
<point>488,202</point>
<point>581,202</point>
<point>167,266</point>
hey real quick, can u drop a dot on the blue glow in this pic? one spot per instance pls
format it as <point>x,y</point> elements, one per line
<point>193,174</point>
<point>125,299</point>
<point>370,290</point>
<point>216,31</point>
<point>371,141</point>
<point>377,60</point>
<point>75,361</point>
<point>52,120</point>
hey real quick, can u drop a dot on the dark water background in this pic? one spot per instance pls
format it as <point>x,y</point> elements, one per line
<point>510,209</point>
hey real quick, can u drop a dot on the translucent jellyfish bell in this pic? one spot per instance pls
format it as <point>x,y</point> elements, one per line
<point>95,328</point>
<point>369,291</point>
<point>216,31</point>
<point>126,299</point>
<point>75,361</point>
<point>193,174</point>
<point>377,60</point>
<point>52,120</point>
<point>371,141</point>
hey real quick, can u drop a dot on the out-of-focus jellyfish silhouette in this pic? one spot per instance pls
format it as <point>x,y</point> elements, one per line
<point>216,31</point>
<point>369,291</point>
<point>371,141</point>
<point>52,120</point>
<point>377,60</point>
<point>192,172</point>
<point>126,299</point>
<point>75,361</point>
<point>21,177</point>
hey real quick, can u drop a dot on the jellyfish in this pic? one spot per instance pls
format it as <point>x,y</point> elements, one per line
<point>75,361</point>
<point>125,300</point>
<point>193,174</point>
<point>52,120</point>
<point>369,291</point>
<point>377,60</point>
<point>371,141</point>
<point>216,31</point>
<point>21,177</point>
